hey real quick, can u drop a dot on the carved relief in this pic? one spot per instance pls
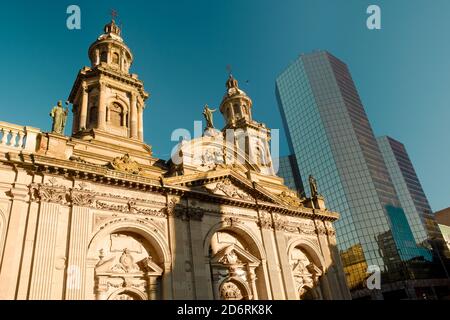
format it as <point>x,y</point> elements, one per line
<point>82,198</point>
<point>230,190</point>
<point>330,229</point>
<point>265,220</point>
<point>230,291</point>
<point>48,193</point>
<point>230,221</point>
<point>125,164</point>
<point>230,258</point>
<point>306,273</point>
<point>320,228</point>
<point>125,261</point>
<point>291,199</point>
<point>279,223</point>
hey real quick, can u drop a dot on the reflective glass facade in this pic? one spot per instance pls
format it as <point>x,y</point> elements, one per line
<point>331,138</point>
<point>288,170</point>
<point>409,191</point>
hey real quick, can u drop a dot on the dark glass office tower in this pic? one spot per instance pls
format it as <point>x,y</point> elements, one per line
<point>288,170</point>
<point>331,138</point>
<point>411,195</point>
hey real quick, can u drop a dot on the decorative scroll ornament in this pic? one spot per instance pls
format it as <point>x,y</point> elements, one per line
<point>125,164</point>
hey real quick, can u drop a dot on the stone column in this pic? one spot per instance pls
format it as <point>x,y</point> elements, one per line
<point>167,287</point>
<point>102,107</point>
<point>141,123</point>
<point>331,288</point>
<point>202,291</point>
<point>78,244</point>
<point>152,291</point>
<point>83,111</point>
<point>97,57</point>
<point>286,271</point>
<point>252,278</point>
<point>10,266</point>
<point>44,262</point>
<point>232,115</point>
<point>134,116</point>
<point>273,270</point>
<point>101,289</point>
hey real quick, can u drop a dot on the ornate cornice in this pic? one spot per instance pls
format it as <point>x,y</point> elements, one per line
<point>99,174</point>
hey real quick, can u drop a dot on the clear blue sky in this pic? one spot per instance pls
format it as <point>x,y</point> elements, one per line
<point>182,48</point>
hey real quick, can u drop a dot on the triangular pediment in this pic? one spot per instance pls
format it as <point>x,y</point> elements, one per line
<point>224,183</point>
<point>234,255</point>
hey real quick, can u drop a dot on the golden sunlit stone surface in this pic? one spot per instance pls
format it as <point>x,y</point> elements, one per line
<point>94,215</point>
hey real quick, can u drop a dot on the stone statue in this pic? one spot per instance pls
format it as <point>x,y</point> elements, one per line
<point>59,116</point>
<point>313,186</point>
<point>208,113</point>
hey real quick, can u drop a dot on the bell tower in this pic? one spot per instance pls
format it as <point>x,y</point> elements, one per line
<point>236,105</point>
<point>107,99</point>
<point>251,137</point>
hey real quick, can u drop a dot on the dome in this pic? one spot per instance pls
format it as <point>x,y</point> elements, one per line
<point>112,31</point>
<point>233,89</point>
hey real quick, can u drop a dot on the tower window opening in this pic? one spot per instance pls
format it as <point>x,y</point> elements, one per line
<point>116,114</point>
<point>237,112</point>
<point>115,58</point>
<point>104,57</point>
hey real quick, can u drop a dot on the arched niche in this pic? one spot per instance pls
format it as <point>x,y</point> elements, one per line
<point>236,261</point>
<point>128,257</point>
<point>307,269</point>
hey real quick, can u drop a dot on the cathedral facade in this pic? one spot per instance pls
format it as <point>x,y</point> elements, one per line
<point>95,216</point>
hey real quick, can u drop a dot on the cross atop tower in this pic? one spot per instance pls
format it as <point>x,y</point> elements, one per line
<point>114,14</point>
<point>229,69</point>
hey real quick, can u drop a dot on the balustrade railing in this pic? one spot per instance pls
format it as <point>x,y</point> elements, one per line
<point>17,137</point>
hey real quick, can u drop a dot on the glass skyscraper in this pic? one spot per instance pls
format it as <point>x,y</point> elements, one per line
<point>411,194</point>
<point>329,133</point>
<point>288,170</point>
